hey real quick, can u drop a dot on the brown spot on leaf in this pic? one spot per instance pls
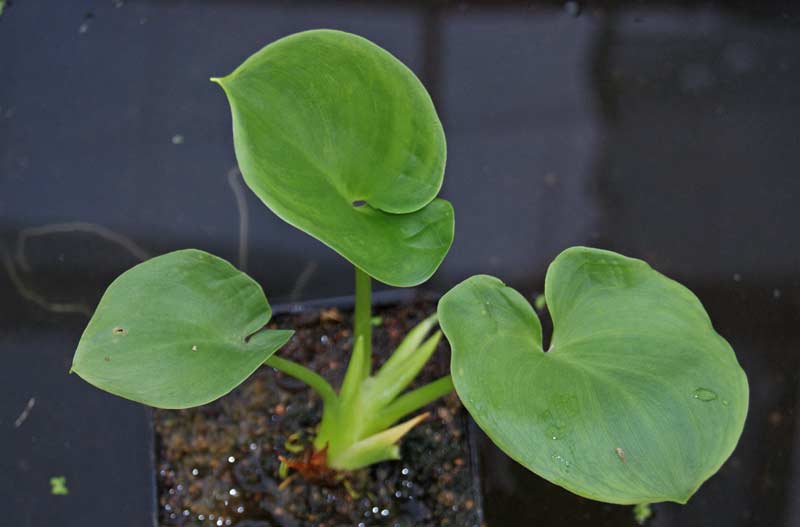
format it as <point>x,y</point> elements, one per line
<point>620,454</point>
<point>119,331</point>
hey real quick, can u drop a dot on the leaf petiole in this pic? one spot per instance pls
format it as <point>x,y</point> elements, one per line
<point>314,380</point>
<point>362,327</point>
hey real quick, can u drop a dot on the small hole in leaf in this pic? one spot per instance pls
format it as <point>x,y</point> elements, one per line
<point>119,331</point>
<point>359,203</point>
<point>547,328</point>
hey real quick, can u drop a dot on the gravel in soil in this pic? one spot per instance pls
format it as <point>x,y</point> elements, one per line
<point>218,464</point>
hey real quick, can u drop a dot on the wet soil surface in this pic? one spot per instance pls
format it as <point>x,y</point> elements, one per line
<point>218,464</point>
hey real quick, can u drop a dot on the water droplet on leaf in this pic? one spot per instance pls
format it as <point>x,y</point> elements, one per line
<point>553,433</point>
<point>704,394</point>
<point>563,462</point>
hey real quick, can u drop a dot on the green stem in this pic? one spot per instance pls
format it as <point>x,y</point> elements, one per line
<point>363,318</point>
<point>410,402</point>
<point>315,381</point>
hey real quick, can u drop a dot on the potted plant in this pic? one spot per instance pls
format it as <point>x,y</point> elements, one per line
<point>637,400</point>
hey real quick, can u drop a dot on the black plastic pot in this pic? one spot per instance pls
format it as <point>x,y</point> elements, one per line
<point>219,464</point>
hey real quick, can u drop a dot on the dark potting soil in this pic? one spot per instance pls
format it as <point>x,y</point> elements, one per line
<point>218,464</point>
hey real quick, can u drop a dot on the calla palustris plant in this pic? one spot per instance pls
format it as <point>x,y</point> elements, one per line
<point>638,399</point>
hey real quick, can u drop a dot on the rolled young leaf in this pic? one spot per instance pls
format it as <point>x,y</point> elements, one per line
<point>341,140</point>
<point>638,400</point>
<point>173,332</point>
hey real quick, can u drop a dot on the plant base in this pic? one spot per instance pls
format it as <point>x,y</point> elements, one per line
<point>219,464</point>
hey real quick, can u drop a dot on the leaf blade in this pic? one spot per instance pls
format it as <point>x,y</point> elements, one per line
<point>324,119</point>
<point>612,411</point>
<point>172,332</point>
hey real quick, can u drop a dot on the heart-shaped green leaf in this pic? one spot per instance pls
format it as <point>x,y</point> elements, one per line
<point>173,332</point>
<point>637,400</point>
<point>341,140</point>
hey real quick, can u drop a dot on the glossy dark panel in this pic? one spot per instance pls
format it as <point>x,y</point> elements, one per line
<point>666,131</point>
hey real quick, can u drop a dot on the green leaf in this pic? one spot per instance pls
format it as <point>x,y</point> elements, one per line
<point>375,448</point>
<point>58,486</point>
<point>354,376</point>
<point>387,384</point>
<point>173,332</point>
<point>642,512</point>
<point>341,140</point>
<point>638,400</point>
<point>407,348</point>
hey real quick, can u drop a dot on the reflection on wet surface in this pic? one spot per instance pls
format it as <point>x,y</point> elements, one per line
<point>663,132</point>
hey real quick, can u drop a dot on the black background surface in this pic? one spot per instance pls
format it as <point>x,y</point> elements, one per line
<point>663,131</point>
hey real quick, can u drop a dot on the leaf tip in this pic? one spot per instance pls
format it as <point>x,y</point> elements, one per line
<point>682,500</point>
<point>418,419</point>
<point>394,453</point>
